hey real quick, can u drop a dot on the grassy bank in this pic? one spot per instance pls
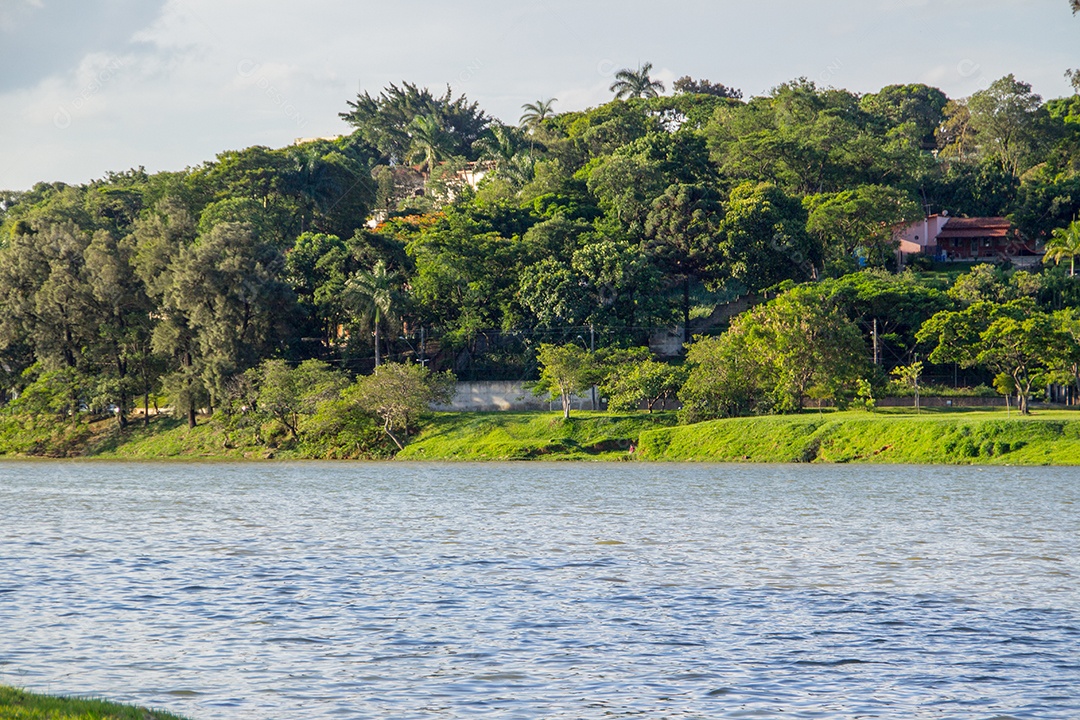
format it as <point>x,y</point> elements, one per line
<point>21,705</point>
<point>894,435</point>
<point>532,436</point>
<point>954,437</point>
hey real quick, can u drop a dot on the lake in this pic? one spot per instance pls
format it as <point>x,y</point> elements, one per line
<point>541,590</point>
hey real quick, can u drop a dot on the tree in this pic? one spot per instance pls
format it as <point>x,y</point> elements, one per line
<point>682,237</point>
<point>763,238</point>
<point>860,222</point>
<point>774,357</point>
<point>1005,118</point>
<point>536,113</point>
<point>636,83</point>
<point>909,375</point>
<point>1012,338</point>
<point>232,307</point>
<point>398,393</point>
<point>386,122</point>
<point>286,393</point>
<point>689,86</point>
<point>564,371</point>
<point>1065,243</point>
<point>916,110</point>
<point>634,381</point>
<point>374,295</point>
<point>430,143</point>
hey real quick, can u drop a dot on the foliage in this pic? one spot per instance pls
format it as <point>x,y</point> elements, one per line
<point>773,358</point>
<point>397,393</point>
<point>1065,245</point>
<point>405,121</point>
<point>565,370</point>
<point>22,705</point>
<point>1011,338</point>
<point>636,83</point>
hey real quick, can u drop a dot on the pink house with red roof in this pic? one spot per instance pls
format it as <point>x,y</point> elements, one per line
<point>966,239</point>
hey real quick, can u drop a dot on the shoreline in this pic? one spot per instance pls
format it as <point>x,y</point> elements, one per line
<point>19,704</point>
<point>889,436</point>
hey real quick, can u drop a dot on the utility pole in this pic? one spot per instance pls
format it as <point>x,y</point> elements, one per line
<point>592,349</point>
<point>877,354</point>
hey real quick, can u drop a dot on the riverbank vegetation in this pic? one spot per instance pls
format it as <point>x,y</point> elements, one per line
<point>18,704</point>
<point>315,300</point>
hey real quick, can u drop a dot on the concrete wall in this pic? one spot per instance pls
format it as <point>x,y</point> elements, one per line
<point>503,395</point>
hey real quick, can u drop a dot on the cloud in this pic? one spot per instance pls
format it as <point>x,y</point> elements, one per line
<point>98,85</point>
<point>41,38</point>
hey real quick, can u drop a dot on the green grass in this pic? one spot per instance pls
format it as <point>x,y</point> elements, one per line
<point>890,435</point>
<point>168,438</point>
<point>531,436</point>
<point>944,437</point>
<point>21,705</point>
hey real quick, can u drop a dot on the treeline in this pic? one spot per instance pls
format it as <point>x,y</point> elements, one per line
<point>1018,331</point>
<point>491,239</point>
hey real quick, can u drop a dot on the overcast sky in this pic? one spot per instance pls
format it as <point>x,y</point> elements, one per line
<point>90,86</point>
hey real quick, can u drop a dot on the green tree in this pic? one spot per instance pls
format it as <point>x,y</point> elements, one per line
<point>690,86</point>
<point>386,122</point>
<point>237,310</point>
<point>1065,244</point>
<point>860,222</point>
<point>1005,118</point>
<point>634,381</point>
<point>375,296</point>
<point>774,357</point>
<point>1011,338</point>
<point>636,83</point>
<point>682,237</point>
<point>536,113</point>
<point>764,239</point>
<point>287,394</point>
<point>397,394</point>
<point>565,370</point>
<point>909,375</point>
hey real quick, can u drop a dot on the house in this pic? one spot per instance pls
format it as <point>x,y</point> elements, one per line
<point>953,239</point>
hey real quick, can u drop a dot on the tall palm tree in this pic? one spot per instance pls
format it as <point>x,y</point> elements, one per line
<point>429,141</point>
<point>500,145</point>
<point>1075,6</point>
<point>374,295</point>
<point>1065,243</point>
<point>636,83</point>
<point>536,113</point>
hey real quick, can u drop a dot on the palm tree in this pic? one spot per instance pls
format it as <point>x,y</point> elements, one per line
<point>429,141</point>
<point>374,295</point>
<point>1075,6</point>
<point>536,113</point>
<point>636,83</point>
<point>499,146</point>
<point>1065,243</point>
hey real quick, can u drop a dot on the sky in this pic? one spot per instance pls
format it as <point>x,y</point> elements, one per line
<point>91,86</point>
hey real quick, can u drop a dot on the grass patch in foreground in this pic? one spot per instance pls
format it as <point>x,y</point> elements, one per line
<point>953,438</point>
<point>531,436</point>
<point>18,704</point>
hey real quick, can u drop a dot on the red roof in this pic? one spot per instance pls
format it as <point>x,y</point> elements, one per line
<point>976,228</point>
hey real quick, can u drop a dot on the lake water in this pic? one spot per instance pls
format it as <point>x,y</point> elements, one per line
<point>544,590</point>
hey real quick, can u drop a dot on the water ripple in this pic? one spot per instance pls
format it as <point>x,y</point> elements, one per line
<point>544,591</point>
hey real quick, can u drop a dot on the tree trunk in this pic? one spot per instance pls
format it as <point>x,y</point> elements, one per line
<point>686,309</point>
<point>376,340</point>
<point>386,429</point>
<point>146,409</point>
<point>566,406</point>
